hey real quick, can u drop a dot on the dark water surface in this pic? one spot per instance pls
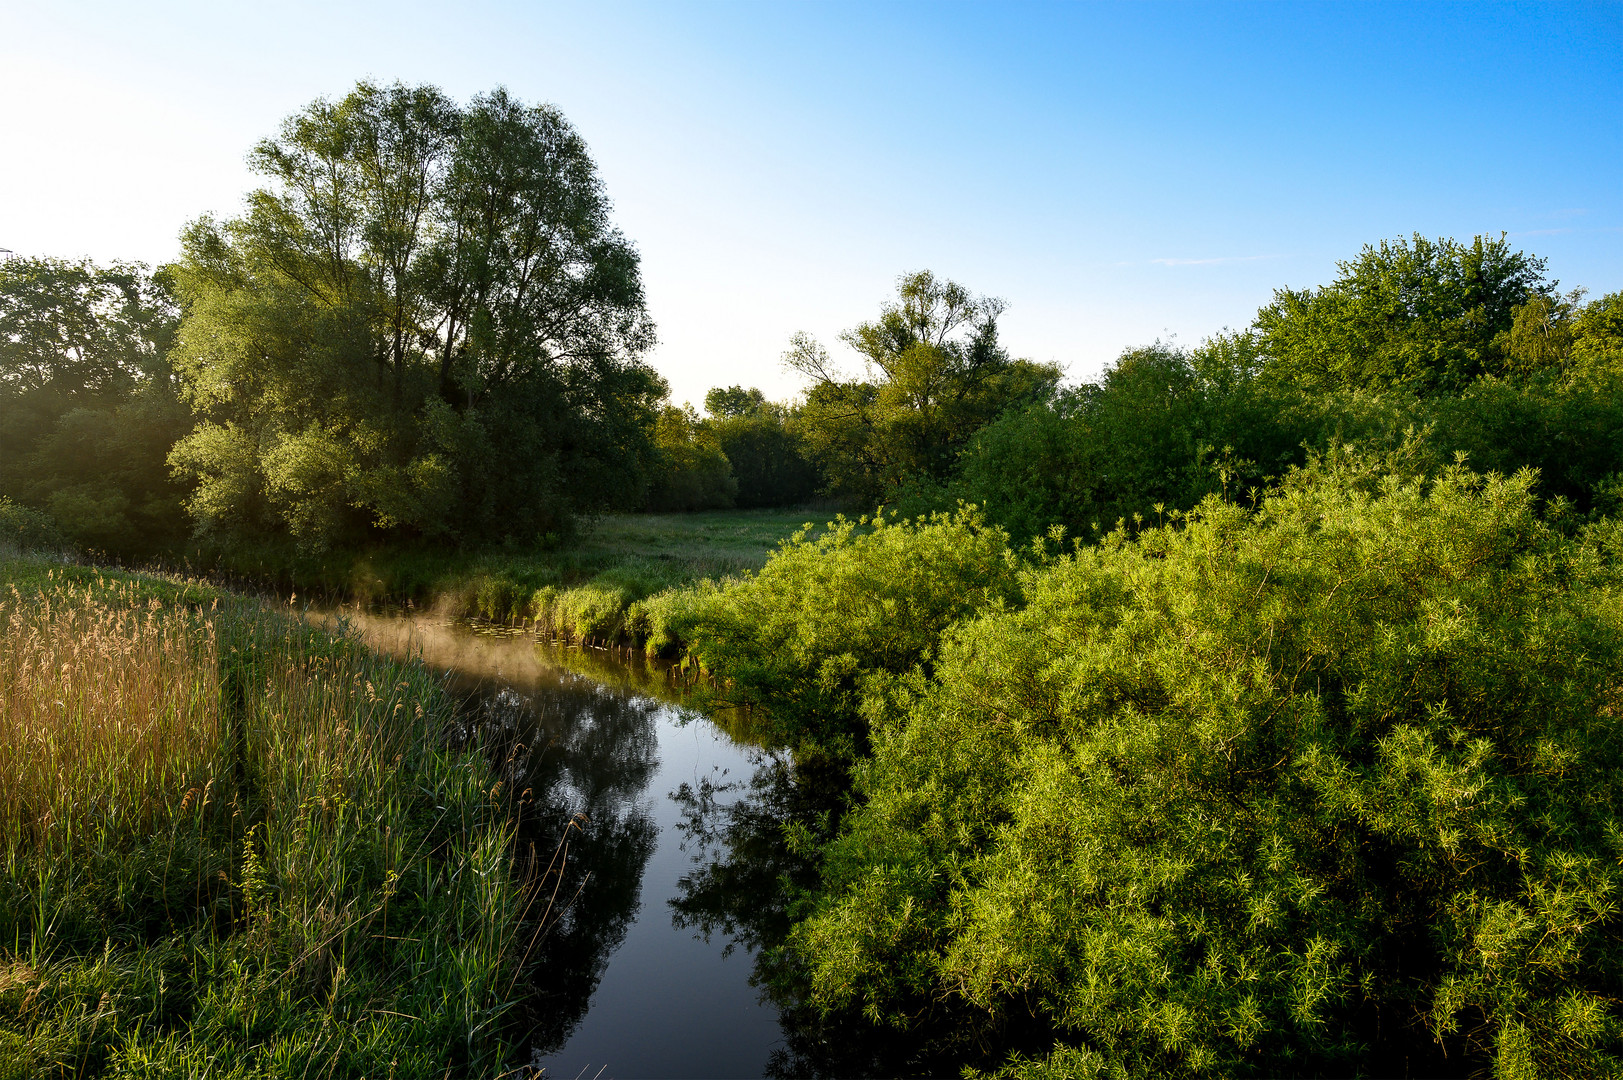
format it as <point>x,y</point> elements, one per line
<point>628,987</point>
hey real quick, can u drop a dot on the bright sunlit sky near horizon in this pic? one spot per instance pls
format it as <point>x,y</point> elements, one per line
<point>1116,172</point>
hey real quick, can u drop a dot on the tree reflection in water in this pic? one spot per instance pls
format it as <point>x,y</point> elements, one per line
<point>744,878</point>
<point>579,754</point>
<point>579,734</point>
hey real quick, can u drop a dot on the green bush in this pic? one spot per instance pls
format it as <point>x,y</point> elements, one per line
<point>26,529</point>
<point>592,612</point>
<point>665,621</point>
<point>829,623</point>
<point>500,599</point>
<point>1331,785</point>
<point>1165,428</point>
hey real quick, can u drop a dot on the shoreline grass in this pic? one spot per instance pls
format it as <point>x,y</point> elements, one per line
<point>605,586</point>
<point>232,844</point>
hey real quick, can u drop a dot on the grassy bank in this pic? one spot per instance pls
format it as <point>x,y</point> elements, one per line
<point>594,588</point>
<point>232,845</point>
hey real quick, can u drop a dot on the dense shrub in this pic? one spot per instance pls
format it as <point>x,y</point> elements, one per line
<point>831,621</point>
<point>25,529</point>
<point>1569,429</point>
<point>1334,784</point>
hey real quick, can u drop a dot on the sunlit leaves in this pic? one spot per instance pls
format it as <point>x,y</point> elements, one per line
<point>1324,785</point>
<point>425,325</point>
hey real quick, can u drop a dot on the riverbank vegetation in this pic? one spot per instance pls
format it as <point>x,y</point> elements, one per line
<point>1248,710</point>
<point>238,846</point>
<point>1267,736</point>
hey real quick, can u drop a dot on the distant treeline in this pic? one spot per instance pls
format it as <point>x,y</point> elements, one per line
<point>425,328</point>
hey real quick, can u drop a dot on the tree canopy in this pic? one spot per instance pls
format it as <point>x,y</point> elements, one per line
<point>935,374</point>
<point>1426,315</point>
<point>87,398</point>
<point>425,324</point>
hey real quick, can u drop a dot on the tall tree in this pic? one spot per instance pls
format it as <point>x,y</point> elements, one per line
<point>936,373</point>
<point>1428,316</point>
<point>426,323</point>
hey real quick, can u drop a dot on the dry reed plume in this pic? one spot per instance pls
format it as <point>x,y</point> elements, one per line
<point>109,711</point>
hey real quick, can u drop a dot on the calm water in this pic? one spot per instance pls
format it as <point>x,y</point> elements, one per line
<point>631,989</point>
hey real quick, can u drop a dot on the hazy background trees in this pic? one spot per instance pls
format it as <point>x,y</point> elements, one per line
<point>690,470</point>
<point>763,441</point>
<point>935,373</point>
<point>87,399</point>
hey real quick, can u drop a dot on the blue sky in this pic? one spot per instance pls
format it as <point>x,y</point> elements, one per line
<point>1116,172</point>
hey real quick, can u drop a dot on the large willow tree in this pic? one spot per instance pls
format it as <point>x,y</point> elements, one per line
<point>425,324</point>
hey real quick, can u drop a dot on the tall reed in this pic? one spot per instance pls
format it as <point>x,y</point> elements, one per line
<point>236,844</point>
<point>109,713</point>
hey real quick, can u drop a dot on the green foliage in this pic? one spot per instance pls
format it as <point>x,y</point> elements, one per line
<point>87,404</point>
<point>762,440</point>
<point>1324,786</point>
<point>1581,343</point>
<point>1597,334</point>
<point>690,471</point>
<point>25,529</point>
<point>833,621</point>
<point>426,326</point>
<point>1162,429</point>
<point>1569,429</point>
<point>727,402</point>
<point>1427,316</point>
<point>936,375</point>
<point>79,332</point>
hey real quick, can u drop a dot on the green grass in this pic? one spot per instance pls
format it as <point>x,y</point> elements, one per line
<point>232,845</point>
<point>29,574</point>
<point>724,541</point>
<point>593,588</point>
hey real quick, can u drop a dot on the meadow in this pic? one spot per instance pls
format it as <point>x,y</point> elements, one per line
<point>594,587</point>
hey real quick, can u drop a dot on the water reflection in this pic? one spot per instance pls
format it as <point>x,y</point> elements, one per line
<point>591,753</point>
<point>581,758</point>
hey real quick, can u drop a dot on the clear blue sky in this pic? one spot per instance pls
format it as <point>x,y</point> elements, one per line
<point>1117,172</point>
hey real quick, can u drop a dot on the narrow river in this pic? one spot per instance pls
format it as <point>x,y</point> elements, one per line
<point>629,988</point>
